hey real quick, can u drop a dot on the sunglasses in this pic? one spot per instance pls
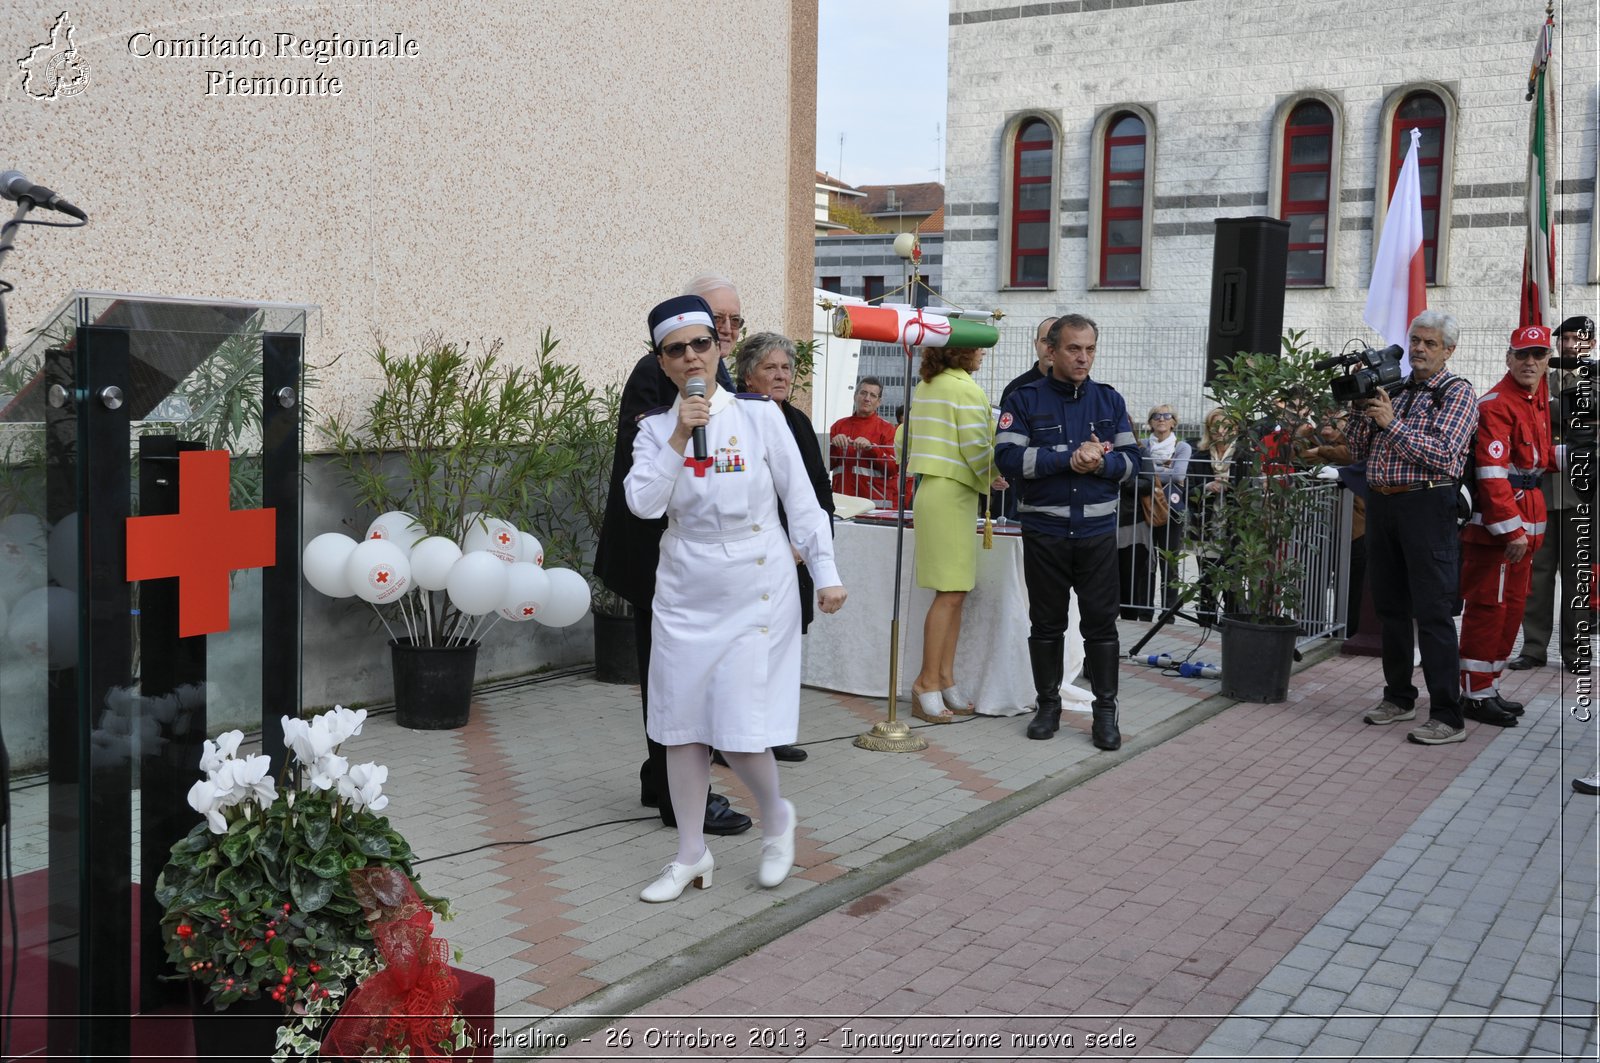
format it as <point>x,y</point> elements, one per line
<point>728,320</point>
<point>1162,417</point>
<point>699,345</point>
<point>1535,353</point>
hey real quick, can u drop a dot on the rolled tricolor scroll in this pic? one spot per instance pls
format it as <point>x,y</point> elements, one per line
<point>910,326</point>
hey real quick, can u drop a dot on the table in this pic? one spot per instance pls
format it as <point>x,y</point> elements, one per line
<point>849,651</point>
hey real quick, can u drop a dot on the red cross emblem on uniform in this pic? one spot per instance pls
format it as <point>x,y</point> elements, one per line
<point>699,465</point>
<point>201,543</point>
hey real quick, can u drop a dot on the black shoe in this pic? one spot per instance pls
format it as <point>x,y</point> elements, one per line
<point>1522,662</point>
<point>792,754</point>
<point>1046,721</point>
<point>1499,701</point>
<point>722,819</point>
<point>1484,710</point>
<point>1100,661</point>
<point>1591,785</point>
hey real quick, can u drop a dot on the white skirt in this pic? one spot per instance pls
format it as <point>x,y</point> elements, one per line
<point>725,643</point>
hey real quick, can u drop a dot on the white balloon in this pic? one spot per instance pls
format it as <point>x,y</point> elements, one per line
<point>23,528</point>
<point>378,571</point>
<point>569,598</point>
<point>22,563</point>
<point>477,583</point>
<point>498,537</point>
<point>44,627</point>
<point>63,551</point>
<point>398,527</point>
<point>323,564</point>
<point>431,559</point>
<point>527,590</point>
<point>532,550</point>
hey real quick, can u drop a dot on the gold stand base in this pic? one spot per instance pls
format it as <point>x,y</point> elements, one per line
<point>891,736</point>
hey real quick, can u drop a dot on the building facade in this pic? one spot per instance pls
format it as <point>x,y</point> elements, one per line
<point>1093,143</point>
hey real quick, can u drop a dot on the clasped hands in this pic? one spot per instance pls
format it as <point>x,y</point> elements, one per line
<point>842,441</point>
<point>1090,455</point>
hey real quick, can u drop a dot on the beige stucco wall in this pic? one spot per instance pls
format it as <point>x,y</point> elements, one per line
<point>563,163</point>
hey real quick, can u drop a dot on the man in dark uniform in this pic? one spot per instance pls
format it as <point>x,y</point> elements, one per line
<point>629,548</point>
<point>1005,502</point>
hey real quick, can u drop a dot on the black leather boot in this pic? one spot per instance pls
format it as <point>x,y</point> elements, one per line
<point>1100,661</point>
<point>1045,655</point>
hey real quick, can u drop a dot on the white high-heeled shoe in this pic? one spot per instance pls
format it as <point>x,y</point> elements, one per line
<point>675,877</point>
<point>957,702</point>
<point>777,854</point>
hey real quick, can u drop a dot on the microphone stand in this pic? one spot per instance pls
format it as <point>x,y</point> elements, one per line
<point>8,240</point>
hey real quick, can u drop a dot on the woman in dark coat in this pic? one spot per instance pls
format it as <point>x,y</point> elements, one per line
<point>764,365</point>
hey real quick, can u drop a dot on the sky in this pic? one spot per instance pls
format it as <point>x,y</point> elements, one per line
<point>881,84</point>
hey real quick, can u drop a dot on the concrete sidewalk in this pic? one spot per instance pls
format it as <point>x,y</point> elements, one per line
<point>1278,882</point>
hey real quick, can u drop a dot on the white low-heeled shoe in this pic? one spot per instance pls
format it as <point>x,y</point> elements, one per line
<point>777,854</point>
<point>675,877</point>
<point>957,702</point>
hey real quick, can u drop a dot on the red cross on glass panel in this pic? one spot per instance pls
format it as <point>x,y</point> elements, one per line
<point>201,543</point>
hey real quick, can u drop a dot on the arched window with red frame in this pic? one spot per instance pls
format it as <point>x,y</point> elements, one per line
<point>1307,170</point>
<point>1122,203</point>
<point>1424,112</point>
<point>1032,193</point>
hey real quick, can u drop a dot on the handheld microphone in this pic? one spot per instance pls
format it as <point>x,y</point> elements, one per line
<point>695,388</point>
<point>15,187</point>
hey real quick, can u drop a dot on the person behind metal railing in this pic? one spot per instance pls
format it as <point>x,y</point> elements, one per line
<point>1166,466</point>
<point>1210,471</point>
<point>1334,449</point>
<point>861,450</point>
<point>1415,446</point>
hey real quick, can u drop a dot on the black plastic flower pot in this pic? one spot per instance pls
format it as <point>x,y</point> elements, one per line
<point>616,659</point>
<point>1257,658</point>
<point>432,684</point>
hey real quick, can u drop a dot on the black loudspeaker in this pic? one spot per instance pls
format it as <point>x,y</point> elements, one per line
<point>1249,271</point>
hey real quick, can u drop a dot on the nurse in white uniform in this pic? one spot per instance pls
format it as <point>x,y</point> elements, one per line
<point>725,667</point>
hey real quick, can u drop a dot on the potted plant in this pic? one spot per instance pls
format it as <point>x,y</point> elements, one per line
<point>449,437</point>
<point>1269,403</point>
<point>261,913</point>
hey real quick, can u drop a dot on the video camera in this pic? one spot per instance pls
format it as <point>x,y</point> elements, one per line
<point>1378,369</point>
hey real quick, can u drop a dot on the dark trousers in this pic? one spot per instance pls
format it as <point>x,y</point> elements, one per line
<point>653,776</point>
<point>1054,567</point>
<point>1414,574</point>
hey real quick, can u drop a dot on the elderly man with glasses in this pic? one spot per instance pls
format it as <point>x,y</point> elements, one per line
<point>630,547</point>
<point>1511,449</point>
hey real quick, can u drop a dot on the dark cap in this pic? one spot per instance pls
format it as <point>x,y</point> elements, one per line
<point>1584,326</point>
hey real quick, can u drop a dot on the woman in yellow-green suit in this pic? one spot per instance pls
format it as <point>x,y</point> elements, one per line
<point>952,455</point>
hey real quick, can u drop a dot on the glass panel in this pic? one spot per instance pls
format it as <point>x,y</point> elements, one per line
<point>1031,269</point>
<point>1124,232</point>
<point>1430,224</point>
<point>1428,177</point>
<point>1127,126</point>
<point>1032,235</point>
<point>1308,186</point>
<point>1035,163</point>
<point>1033,130</point>
<point>1305,267</point>
<point>1421,105</point>
<point>1125,192</point>
<point>1034,196</point>
<point>1432,144</point>
<point>1308,228</point>
<point>1311,113</point>
<point>1122,269</point>
<point>1126,158</point>
<point>1306,149</point>
<point>97,720</point>
<point>1429,254</point>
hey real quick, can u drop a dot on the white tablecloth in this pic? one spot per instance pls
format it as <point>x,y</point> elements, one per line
<point>849,651</point>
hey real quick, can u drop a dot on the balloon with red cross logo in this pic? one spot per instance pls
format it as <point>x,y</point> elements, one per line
<point>398,527</point>
<point>378,571</point>
<point>532,550</point>
<point>498,537</point>
<point>527,588</point>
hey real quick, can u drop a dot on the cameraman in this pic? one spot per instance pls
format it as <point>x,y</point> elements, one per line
<point>1415,446</point>
<point>1575,337</point>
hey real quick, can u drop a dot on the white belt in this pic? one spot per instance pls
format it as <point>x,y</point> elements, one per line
<point>732,535</point>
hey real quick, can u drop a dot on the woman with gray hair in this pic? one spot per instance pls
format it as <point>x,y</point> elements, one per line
<point>764,365</point>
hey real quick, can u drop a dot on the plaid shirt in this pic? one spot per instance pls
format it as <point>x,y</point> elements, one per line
<point>1428,438</point>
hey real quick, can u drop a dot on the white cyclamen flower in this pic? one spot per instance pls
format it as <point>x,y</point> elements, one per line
<point>343,723</point>
<point>247,778</point>
<point>308,739</point>
<point>220,751</point>
<point>204,798</point>
<point>363,787</point>
<point>327,772</point>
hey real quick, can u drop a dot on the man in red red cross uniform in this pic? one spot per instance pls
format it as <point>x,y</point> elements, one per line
<point>861,450</point>
<point>1512,449</point>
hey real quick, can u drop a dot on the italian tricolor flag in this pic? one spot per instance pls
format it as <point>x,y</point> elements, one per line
<point>1399,288</point>
<point>1539,252</point>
